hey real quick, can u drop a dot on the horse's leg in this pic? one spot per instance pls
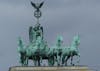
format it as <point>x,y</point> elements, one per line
<point>26,61</point>
<point>53,60</point>
<point>66,60</point>
<point>63,59</point>
<point>50,61</point>
<point>78,58</point>
<point>39,63</point>
<point>72,61</point>
<point>58,60</point>
<point>35,62</point>
<point>38,59</point>
<point>22,62</point>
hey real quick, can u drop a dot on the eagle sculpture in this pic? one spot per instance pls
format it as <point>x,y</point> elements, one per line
<point>37,6</point>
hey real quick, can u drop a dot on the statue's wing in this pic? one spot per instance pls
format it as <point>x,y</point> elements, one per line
<point>41,4</point>
<point>30,34</point>
<point>33,4</point>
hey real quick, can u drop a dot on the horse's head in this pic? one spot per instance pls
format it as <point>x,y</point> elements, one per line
<point>59,40</point>
<point>20,45</point>
<point>76,40</point>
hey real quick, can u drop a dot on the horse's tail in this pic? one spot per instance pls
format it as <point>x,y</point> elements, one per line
<point>78,58</point>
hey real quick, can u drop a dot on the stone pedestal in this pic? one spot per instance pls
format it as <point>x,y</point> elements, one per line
<point>71,68</point>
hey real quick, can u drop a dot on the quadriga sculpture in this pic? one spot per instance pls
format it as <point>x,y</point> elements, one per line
<point>39,51</point>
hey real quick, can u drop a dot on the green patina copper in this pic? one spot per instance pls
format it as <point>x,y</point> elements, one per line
<point>71,51</point>
<point>38,49</point>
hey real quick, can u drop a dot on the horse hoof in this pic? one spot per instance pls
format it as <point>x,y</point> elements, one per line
<point>73,64</point>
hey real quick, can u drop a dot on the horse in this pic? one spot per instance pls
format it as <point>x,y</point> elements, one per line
<point>58,49</point>
<point>54,53</point>
<point>22,51</point>
<point>29,52</point>
<point>71,51</point>
<point>46,52</point>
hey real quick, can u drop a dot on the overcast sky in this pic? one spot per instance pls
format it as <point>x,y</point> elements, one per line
<point>64,17</point>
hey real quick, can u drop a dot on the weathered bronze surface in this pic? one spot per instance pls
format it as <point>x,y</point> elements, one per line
<point>38,49</point>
